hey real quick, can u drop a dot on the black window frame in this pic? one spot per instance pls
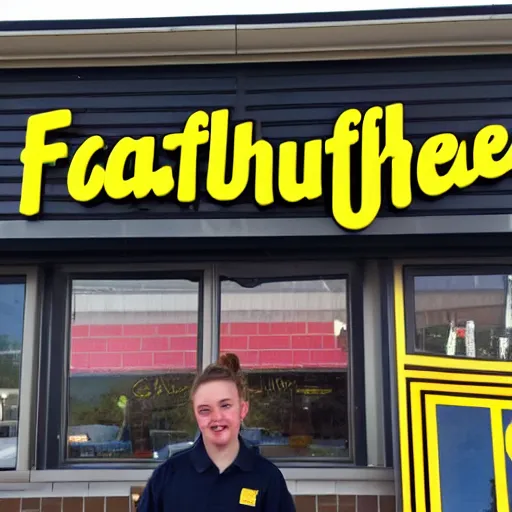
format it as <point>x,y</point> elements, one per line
<point>356,391</point>
<point>55,327</point>
<point>55,362</point>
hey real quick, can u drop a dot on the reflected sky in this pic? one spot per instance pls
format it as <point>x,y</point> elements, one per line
<point>465,458</point>
<point>12,298</point>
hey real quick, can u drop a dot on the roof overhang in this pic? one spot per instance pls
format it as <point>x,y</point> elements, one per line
<point>227,42</point>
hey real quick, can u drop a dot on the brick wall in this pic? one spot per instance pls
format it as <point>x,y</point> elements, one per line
<point>330,503</point>
<point>136,347</point>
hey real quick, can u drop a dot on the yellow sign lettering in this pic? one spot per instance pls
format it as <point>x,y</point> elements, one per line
<point>364,150</point>
<point>36,153</point>
<point>79,188</point>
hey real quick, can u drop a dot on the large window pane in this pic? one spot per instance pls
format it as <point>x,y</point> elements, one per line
<point>292,341</point>
<point>133,359</point>
<point>12,307</point>
<point>464,315</point>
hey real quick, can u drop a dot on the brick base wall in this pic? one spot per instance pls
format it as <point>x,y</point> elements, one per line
<point>331,503</point>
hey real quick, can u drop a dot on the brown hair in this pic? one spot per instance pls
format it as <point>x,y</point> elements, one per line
<point>227,368</point>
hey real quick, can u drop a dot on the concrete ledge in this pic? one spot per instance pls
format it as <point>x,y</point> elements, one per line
<point>142,475</point>
<point>81,483</point>
<point>454,35</point>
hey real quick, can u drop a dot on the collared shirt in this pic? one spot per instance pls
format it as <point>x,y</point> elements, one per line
<point>190,482</point>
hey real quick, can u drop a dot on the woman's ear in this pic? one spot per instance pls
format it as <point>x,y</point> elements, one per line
<point>244,409</point>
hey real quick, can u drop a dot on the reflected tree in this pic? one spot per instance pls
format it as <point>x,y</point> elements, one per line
<point>493,506</point>
<point>9,363</point>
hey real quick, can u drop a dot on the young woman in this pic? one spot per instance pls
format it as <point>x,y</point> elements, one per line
<point>219,472</point>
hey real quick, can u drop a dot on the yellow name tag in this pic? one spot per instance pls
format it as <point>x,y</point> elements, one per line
<point>248,497</point>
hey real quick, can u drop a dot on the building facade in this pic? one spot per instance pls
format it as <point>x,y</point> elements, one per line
<point>326,195</point>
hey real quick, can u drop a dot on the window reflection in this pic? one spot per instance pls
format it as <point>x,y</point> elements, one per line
<point>133,360</point>
<point>464,315</point>
<point>292,340</point>
<point>12,306</point>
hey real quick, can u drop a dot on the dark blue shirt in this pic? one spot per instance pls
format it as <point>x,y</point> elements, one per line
<point>190,482</point>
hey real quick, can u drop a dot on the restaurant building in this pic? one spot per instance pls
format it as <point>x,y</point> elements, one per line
<point>326,195</point>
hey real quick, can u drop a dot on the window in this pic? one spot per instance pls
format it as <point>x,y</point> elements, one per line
<point>292,338</point>
<point>462,314</point>
<point>133,357</point>
<point>130,342</point>
<point>12,308</point>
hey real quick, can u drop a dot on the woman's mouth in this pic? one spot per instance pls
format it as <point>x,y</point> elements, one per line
<point>218,428</point>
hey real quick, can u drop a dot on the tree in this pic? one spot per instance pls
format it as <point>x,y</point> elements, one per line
<point>493,505</point>
<point>9,363</point>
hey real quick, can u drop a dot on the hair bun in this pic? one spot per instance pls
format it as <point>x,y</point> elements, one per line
<point>230,361</point>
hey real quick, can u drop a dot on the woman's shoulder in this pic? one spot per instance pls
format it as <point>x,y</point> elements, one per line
<point>266,465</point>
<point>173,464</point>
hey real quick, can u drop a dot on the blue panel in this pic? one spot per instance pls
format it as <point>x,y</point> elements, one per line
<point>465,458</point>
<point>507,423</point>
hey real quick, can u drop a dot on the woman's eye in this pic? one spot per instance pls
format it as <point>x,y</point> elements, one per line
<point>203,411</point>
<point>226,405</point>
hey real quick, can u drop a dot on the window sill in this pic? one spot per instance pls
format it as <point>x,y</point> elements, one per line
<point>14,476</point>
<point>141,475</point>
<point>124,482</point>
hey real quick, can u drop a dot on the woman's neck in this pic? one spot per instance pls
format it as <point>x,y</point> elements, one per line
<point>223,456</point>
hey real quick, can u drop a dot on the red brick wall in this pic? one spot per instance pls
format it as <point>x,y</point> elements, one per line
<point>130,347</point>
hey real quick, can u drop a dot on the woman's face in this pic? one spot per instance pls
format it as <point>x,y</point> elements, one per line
<point>219,412</point>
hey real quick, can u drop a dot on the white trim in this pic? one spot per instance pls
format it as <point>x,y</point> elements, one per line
<point>210,329</point>
<point>142,475</point>
<point>29,372</point>
<point>374,384</point>
<point>14,477</point>
<point>243,43</point>
<point>344,482</point>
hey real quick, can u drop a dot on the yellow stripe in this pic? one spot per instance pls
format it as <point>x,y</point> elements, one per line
<point>405,461</point>
<point>434,476</point>
<point>455,363</point>
<point>463,377</point>
<point>454,388</point>
<point>417,447</point>
<point>500,468</point>
<point>468,401</point>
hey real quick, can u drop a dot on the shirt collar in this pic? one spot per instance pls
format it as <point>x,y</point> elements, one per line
<point>201,461</point>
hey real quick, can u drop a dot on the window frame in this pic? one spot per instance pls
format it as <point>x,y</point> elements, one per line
<point>356,393</point>
<point>28,368</point>
<point>56,294</point>
<point>54,404</point>
<point>439,270</point>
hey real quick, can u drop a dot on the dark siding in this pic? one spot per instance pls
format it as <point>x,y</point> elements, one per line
<point>290,101</point>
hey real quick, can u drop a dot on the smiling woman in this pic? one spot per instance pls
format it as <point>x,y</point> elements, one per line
<point>220,463</point>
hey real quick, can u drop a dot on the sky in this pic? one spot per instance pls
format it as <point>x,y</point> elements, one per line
<point>14,10</point>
